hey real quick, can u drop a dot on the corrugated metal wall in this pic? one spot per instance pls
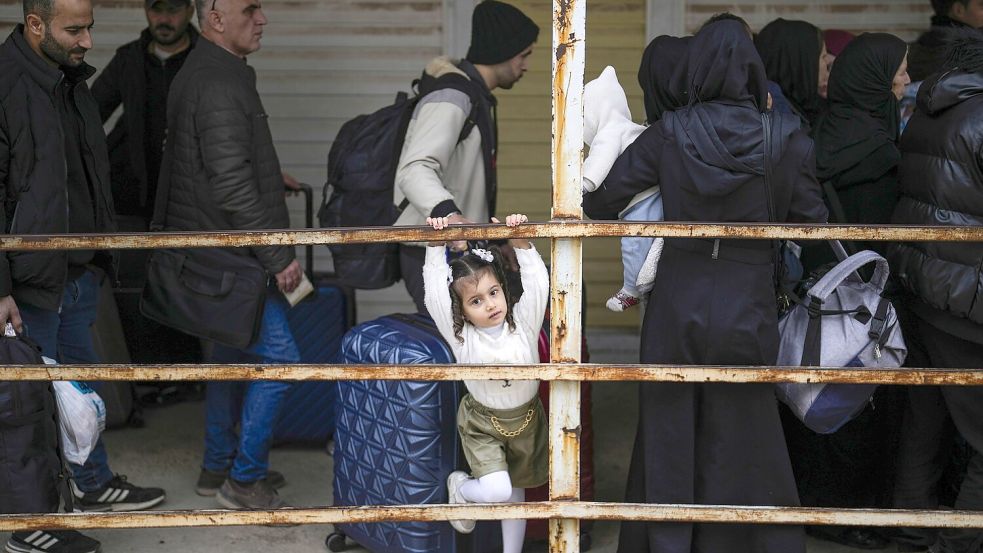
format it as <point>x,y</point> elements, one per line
<point>322,62</point>
<point>325,61</point>
<point>905,18</point>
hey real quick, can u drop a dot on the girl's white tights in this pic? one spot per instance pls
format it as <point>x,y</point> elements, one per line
<point>497,488</point>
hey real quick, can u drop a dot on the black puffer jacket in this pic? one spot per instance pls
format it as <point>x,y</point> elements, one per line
<point>224,172</point>
<point>33,174</point>
<point>941,176</point>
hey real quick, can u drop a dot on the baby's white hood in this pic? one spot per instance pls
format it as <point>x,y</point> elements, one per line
<point>604,102</point>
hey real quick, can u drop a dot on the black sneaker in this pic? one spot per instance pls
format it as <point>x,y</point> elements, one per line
<point>118,495</point>
<point>258,495</point>
<point>209,481</point>
<point>51,541</point>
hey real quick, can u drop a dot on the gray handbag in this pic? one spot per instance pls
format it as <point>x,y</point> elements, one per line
<point>841,322</point>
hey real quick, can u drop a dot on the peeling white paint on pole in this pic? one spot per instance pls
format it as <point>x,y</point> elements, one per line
<point>569,33</point>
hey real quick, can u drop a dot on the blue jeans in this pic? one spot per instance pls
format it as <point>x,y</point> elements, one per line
<point>65,335</point>
<point>254,405</point>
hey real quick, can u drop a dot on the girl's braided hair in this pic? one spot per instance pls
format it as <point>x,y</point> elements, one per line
<point>470,266</point>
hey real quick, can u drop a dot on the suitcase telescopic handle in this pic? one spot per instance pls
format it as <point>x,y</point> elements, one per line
<point>308,193</point>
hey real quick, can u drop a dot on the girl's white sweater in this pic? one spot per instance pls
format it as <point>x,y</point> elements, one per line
<point>509,347</point>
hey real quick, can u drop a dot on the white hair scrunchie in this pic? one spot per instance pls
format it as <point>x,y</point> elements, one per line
<point>484,255</point>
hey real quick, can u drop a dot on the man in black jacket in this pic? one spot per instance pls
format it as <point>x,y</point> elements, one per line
<point>224,174</point>
<point>138,78</point>
<point>928,52</point>
<point>54,178</point>
<point>941,179</point>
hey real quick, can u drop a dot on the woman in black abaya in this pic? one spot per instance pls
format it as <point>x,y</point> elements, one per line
<point>857,155</point>
<point>795,57</point>
<point>713,302</point>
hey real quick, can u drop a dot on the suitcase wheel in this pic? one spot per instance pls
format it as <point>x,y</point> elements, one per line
<point>335,542</point>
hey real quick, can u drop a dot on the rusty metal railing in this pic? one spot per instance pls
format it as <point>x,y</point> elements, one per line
<point>561,372</point>
<point>564,509</point>
<point>575,510</point>
<point>557,229</point>
<point>566,231</point>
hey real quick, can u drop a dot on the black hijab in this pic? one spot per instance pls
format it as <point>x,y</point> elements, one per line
<point>859,132</point>
<point>790,51</point>
<point>719,132</point>
<point>662,76</point>
<point>722,64</point>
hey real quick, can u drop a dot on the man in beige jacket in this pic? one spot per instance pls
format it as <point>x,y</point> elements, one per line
<point>442,171</point>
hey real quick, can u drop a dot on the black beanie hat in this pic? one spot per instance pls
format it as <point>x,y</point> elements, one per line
<point>499,32</point>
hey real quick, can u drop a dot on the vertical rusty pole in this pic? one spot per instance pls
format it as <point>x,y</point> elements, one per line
<point>569,18</point>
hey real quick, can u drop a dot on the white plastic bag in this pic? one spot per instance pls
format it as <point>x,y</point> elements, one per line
<point>81,418</point>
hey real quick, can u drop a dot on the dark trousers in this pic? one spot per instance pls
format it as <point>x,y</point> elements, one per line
<point>65,335</point>
<point>924,449</point>
<point>411,259</point>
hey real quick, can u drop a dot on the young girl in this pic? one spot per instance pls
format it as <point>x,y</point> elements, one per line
<point>501,422</point>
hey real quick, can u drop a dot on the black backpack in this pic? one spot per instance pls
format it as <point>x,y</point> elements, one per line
<point>30,464</point>
<point>361,174</point>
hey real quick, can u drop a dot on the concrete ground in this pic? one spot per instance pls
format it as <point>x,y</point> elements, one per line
<point>167,453</point>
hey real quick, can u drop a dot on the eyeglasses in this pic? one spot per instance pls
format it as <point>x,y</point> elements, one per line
<point>213,5</point>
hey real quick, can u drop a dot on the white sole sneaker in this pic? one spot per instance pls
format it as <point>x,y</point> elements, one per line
<point>454,481</point>
<point>114,507</point>
<point>41,541</point>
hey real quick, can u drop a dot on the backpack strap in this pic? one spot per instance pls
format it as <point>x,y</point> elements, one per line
<point>454,81</point>
<point>481,115</point>
<point>839,215</point>
<point>783,296</point>
<point>159,218</point>
<point>427,84</point>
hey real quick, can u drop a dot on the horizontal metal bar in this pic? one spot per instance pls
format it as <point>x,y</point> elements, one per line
<point>553,229</point>
<point>544,371</point>
<point>563,509</point>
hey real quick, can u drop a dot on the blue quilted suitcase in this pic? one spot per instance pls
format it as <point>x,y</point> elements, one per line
<point>396,441</point>
<point>318,324</point>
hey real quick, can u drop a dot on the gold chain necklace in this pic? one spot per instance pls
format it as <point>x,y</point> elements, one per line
<point>508,433</point>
